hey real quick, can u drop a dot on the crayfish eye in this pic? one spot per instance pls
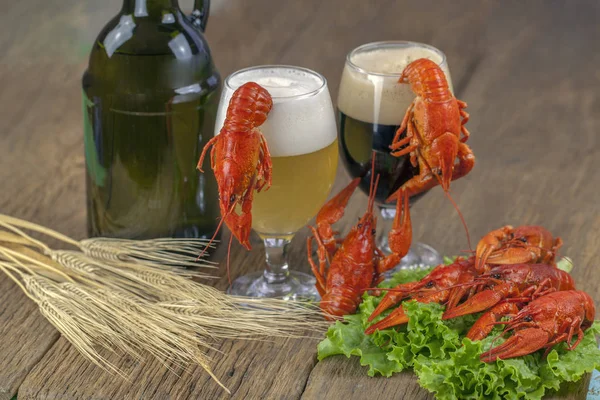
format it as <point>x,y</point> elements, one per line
<point>430,284</point>
<point>496,276</point>
<point>528,318</point>
<point>359,226</point>
<point>232,199</point>
<point>373,231</point>
<point>523,239</point>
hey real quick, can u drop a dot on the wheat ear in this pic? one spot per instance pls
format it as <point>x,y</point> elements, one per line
<point>134,298</point>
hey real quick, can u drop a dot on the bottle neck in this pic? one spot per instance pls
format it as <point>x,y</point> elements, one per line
<point>148,8</point>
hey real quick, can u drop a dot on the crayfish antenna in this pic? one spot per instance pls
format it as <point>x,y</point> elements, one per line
<point>460,215</point>
<point>373,184</point>
<point>228,258</point>
<point>372,197</point>
<point>462,219</point>
<point>212,239</point>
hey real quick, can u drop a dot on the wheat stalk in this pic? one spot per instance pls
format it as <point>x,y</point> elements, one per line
<point>133,297</point>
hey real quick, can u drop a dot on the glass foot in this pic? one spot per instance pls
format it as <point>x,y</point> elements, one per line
<point>419,255</point>
<point>298,286</point>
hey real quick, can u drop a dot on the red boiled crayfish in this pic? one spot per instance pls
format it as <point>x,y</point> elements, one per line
<point>240,158</point>
<point>357,264</point>
<point>525,244</point>
<point>546,321</point>
<point>449,284</point>
<point>433,124</point>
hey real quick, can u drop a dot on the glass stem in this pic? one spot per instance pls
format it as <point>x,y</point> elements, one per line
<point>277,268</point>
<point>387,215</point>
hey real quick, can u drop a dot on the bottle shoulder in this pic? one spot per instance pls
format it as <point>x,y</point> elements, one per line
<point>173,36</point>
<point>142,54</point>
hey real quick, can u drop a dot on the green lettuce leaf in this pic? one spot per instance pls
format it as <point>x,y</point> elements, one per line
<point>447,363</point>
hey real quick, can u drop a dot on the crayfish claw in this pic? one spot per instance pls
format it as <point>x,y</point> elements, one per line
<point>480,302</point>
<point>332,212</point>
<point>484,325</point>
<point>397,317</point>
<point>488,244</point>
<point>392,298</point>
<point>521,343</point>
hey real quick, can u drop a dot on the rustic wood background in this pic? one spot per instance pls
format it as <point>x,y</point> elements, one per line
<point>529,71</point>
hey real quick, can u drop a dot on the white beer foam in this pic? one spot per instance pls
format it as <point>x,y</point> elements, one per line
<point>380,99</point>
<point>302,121</point>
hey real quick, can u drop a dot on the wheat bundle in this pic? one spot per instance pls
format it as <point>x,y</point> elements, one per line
<point>134,297</point>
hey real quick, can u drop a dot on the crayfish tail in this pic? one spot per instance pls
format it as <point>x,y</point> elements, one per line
<point>446,146</point>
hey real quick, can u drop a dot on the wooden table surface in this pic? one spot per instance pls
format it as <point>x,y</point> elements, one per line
<point>529,71</point>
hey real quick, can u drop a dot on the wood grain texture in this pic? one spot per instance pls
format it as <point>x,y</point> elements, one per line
<point>20,348</point>
<point>528,72</point>
<point>42,163</point>
<point>340,378</point>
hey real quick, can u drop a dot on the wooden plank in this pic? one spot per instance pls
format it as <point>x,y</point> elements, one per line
<point>25,338</point>
<point>39,172</point>
<point>284,33</point>
<point>341,378</point>
<point>41,169</point>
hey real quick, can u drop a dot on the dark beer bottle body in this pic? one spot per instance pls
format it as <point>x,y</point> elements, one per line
<point>150,98</point>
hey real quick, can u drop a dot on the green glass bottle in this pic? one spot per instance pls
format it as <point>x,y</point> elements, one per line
<point>150,97</point>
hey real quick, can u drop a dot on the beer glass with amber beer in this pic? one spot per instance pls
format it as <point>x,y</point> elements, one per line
<point>301,136</point>
<point>371,105</point>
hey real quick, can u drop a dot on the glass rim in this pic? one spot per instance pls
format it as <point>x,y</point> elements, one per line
<point>314,92</point>
<point>391,43</point>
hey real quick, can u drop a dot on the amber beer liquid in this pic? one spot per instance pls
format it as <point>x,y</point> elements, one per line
<point>371,105</point>
<point>301,136</point>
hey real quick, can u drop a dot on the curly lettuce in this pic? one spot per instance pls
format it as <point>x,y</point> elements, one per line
<point>446,362</point>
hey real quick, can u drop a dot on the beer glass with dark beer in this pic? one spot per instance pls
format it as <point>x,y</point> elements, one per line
<point>371,105</point>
